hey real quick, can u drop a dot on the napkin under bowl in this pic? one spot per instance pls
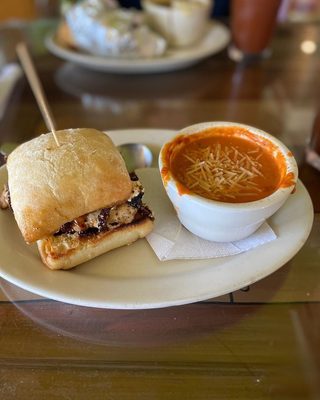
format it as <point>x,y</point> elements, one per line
<point>171,241</point>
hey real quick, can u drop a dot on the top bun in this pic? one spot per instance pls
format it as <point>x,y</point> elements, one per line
<point>51,185</point>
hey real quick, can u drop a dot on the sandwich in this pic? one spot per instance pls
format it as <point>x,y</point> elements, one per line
<point>77,200</point>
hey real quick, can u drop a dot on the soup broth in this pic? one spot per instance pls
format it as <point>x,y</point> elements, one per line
<point>227,168</point>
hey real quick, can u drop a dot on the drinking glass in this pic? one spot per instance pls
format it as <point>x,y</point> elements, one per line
<point>252,26</point>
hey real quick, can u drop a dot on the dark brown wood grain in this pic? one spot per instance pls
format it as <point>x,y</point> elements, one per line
<point>195,351</point>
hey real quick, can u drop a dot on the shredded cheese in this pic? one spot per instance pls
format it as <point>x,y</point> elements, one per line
<point>223,171</point>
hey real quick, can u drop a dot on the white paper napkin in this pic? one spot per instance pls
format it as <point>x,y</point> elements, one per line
<point>170,240</point>
<point>8,77</point>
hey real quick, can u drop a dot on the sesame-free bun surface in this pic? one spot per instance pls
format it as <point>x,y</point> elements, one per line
<point>51,185</point>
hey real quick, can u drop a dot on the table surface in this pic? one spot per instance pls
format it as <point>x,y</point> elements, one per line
<point>260,342</point>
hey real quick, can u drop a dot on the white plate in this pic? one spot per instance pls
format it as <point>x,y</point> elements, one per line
<point>132,277</point>
<point>215,40</point>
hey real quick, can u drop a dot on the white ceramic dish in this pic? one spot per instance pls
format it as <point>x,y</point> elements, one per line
<point>132,277</point>
<point>182,23</point>
<point>227,222</point>
<point>216,39</point>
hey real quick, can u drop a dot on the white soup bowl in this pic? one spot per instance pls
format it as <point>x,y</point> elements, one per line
<point>222,221</point>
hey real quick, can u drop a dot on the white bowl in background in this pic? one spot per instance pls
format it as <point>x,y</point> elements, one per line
<point>221,221</point>
<point>183,23</point>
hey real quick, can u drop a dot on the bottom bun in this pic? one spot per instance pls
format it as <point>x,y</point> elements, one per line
<point>94,246</point>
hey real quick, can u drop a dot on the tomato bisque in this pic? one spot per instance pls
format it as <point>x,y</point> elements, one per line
<point>227,164</point>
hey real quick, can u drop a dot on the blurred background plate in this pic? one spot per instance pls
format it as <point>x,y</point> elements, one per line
<point>215,40</point>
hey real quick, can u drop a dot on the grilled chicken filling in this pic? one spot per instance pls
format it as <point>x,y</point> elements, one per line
<point>5,198</point>
<point>110,218</point>
<point>100,221</point>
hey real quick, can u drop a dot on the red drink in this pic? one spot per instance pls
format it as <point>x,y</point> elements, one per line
<point>313,149</point>
<point>315,137</point>
<point>252,24</point>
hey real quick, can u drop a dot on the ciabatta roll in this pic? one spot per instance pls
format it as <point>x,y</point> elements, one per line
<point>77,200</point>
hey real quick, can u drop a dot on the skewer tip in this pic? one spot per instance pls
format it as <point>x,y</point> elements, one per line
<point>30,71</point>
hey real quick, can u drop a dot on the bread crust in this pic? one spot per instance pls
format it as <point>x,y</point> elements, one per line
<point>64,36</point>
<point>94,246</point>
<point>51,185</point>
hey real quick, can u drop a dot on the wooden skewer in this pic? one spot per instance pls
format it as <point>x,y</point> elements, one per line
<point>36,87</point>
